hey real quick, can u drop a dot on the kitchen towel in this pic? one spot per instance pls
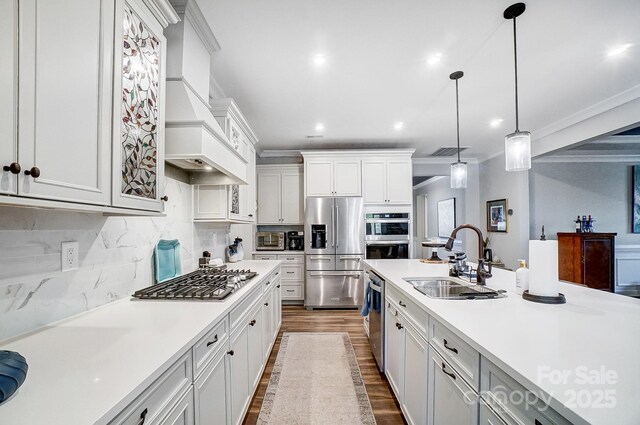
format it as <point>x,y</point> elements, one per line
<point>13,372</point>
<point>543,268</point>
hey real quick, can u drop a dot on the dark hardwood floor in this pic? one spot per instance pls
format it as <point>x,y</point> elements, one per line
<point>298,319</point>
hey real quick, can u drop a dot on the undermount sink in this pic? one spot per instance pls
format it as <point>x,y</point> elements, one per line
<point>449,289</point>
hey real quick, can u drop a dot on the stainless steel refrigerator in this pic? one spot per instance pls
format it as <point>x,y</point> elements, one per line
<point>334,252</point>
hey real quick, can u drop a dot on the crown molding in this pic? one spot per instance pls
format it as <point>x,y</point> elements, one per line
<point>280,153</point>
<point>358,152</point>
<point>190,10</point>
<point>587,158</point>
<point>163,11</point>
<point>429,181</point>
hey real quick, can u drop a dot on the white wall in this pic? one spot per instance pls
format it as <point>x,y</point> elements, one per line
<point>559,191</point>
<point>115,257</point>
<point>496,183</point>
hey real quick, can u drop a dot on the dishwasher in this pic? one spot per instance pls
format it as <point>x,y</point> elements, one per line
<point>376,317</point>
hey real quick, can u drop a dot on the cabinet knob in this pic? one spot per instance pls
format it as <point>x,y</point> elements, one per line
<point>252,323</point>
<point>230,352</point>
<point>14,168</point>
<point>278,286</point>
<point>266,304</point>
<point>165,198</point>
<point>399,326</point>
<point>33,172</point>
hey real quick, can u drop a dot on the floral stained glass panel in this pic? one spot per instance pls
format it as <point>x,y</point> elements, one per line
<point>140,86</point>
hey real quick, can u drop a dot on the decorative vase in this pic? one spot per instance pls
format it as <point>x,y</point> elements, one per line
<point>13,372</point>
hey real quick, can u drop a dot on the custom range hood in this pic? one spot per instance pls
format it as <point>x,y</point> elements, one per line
<point>194,141</point>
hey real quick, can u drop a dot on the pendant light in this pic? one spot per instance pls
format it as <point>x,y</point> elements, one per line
<point>517,145</point>
<point>458,168</point>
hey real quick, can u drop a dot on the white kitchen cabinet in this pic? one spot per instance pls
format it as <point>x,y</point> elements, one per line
<point>395,345</point>
<point>280,196</point>
<point>182,412</point>
<point>138,109</point>
<point>387,181</point>
<point>416,360</point>
<point>9,165</point>
<point>268,322</point>
<point>210,389</point>
<point>276,300</point>
<point>65,97</point>
<point>488,416</point>
<point>333,177</point>
<point>210,202</point>
<point>451,400</point>
<point>256,354</point>
<point>238,366</point>
<point>234,124</point>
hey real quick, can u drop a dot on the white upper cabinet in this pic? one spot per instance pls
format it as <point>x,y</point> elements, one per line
<point>387,181</point>
<point>138,109</point>
<point>319,177</point>
<point>9,166</point>
<point>374,181</point>
<point>332,177</point>
<point>65,99</point>
<point>280,199</point>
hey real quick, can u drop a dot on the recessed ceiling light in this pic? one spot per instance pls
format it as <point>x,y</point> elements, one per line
<point>208,167</point>
<point>319,59</point>
<point>398,126</point>
<point>434,59</point>
<point>319,127</point>
<point>496,122</point>
<point>619,49</point>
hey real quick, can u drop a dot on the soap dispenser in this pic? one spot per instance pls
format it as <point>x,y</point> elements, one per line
<point>522,278</point>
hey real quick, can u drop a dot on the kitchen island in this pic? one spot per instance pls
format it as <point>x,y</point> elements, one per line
<point>579,358</point>
<point>113,363</point>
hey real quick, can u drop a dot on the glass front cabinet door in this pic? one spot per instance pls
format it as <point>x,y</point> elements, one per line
<point>139,90</point>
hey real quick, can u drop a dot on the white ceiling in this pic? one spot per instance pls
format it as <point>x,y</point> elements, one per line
<point>377,73</point>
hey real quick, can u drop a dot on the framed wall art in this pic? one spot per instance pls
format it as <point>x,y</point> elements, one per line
<point>497,217</point>
<point>446,217</point>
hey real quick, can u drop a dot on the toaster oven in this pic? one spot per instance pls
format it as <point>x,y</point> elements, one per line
<point>270,241</point>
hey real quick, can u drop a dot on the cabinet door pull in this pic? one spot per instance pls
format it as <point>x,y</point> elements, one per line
<point>266,304</point>
<point>290,290</point>
<point>250,215</point>
<point>402,304</point>
<point>252,323</point>
<point>448,373</point>
<point>33,172</point>
<point>268,283</point>
<point>537,422</point>
<point>230,352</point>
<point>14,168</point>
<point>143,416</point>
<point>278,286</point>
<point>290,258</point>
<point>291,272</point>
<point>399,326</point>
<point>165,198</point>
<point>455,350</point>
<point>215,339</point>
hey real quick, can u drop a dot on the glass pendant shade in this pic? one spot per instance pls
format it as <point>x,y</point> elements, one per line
<point>459,175</point>
<point>517,148</point>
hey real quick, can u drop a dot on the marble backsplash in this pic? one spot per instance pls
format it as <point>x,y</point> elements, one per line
<point>116,257</point>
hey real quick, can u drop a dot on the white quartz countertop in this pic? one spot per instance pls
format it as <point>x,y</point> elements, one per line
<point>594,331</point>
<point>88,368</point>
<point>283,252</point>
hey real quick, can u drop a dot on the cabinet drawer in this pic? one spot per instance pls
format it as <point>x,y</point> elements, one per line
<point>265,257</point>
<point>414,314</point>
<point>242,310</point>
<point>488,416</point>
<point>497,389</point>
<point>208,345</point>
<point>292,292</point>
<point>273,280</point>
<point>462,357</point>
<point>291,258</point>
<point>293,273</point>
<point>162,395</point>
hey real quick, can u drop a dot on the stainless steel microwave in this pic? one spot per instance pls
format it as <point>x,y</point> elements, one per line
<point>270,241</point>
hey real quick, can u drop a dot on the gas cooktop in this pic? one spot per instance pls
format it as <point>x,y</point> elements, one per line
<point>202,284</point>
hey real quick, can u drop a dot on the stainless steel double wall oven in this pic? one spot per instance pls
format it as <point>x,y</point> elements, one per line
<point>387,235</point>
<point>334,248</point>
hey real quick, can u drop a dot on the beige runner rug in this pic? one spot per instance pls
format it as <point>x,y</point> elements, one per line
<point>316,380</point>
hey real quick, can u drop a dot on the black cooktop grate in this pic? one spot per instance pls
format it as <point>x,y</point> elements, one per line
<point>201,284</point>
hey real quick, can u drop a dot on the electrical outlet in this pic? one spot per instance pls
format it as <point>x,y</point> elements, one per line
<point>69,256</point>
